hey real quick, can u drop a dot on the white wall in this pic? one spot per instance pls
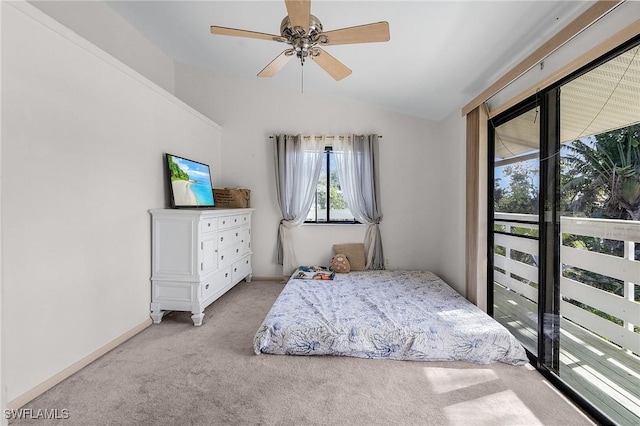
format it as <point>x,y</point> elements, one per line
<point>251,110</point>
<point>100,24</point>
<point>451,236</point>
<point>82,143</point>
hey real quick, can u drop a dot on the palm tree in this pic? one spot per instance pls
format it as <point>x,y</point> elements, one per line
<point>605,171</point>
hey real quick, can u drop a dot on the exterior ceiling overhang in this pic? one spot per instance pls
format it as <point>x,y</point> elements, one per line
<point>606,98</point>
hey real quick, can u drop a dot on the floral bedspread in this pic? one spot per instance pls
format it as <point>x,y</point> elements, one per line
<point>401,315</point>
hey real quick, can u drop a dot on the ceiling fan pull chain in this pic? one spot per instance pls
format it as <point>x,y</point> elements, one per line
<point>302,79</point>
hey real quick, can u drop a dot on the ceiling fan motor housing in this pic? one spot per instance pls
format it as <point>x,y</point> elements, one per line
<point>302,42</point>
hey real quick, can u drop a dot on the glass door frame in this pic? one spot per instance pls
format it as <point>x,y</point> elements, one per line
<point>549,268</point>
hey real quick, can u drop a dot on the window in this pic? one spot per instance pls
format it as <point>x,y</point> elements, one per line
<point>329,204</point>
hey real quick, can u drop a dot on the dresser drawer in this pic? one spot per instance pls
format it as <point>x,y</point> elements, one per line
<point>241,268</point>
<point>224,222</point>
<point>208,225</point>
<point>215,282</point>
<point>228,255</point>
<point>229,237</point>
<point>241,219</point>
<point>208,289</point>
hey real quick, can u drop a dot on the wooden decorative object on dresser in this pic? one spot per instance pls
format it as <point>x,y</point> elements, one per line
<point>197,256</point>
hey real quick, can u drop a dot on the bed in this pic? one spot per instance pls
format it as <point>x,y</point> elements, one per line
<point>400,315</point>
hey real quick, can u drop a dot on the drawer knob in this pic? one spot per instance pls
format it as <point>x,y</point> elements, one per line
<point>236,234</point>
<point>206,287</point>
<point>221,238</point>
<point>222,257</point>
<point>235,269</point>
<point>226,274</point>
<point>208,224</point>
<point>237,250</point>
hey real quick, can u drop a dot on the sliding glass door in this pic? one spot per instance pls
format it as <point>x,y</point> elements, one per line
<point>600,235</point>
<point>565,249</point>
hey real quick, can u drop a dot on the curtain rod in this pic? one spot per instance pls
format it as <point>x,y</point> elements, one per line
<point>323,136</point>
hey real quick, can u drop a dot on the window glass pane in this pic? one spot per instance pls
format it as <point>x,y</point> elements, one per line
<point>313,211</point>
<point>515,204</point>
<point>321,193</point>
<point>600,229</point>
<point>318,210</point>
<point>339,210</point>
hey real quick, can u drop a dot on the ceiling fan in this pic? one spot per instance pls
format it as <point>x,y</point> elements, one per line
<point>304,33</point>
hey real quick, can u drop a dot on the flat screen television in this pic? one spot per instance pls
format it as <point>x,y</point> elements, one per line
<point>189,183</point>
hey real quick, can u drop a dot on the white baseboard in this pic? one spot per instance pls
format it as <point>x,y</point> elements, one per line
<point>75,367</point>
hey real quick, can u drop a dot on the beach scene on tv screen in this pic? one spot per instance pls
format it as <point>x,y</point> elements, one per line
<point>191,182</point>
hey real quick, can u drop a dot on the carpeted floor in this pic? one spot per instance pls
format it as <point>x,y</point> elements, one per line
<point>177,374</point>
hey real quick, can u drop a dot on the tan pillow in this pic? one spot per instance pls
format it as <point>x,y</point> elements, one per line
<point>354,253</point>
<point>340,263</point>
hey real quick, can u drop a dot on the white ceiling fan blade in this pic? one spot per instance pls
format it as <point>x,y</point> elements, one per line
<point>369,33</point>
<point>331,65</point>
<point>242,33</point>
<point>299,12</point>
<point>277,64</point>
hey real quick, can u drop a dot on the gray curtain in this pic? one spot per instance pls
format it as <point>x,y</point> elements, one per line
<point>357,167</point>
<point>297,164</point>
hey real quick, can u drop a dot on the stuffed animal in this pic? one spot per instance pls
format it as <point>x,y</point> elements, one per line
<point>340,263</point>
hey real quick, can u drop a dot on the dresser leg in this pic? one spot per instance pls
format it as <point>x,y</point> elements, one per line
<point>156,313</point>
<point>248,278</point>
<point>197,318</point>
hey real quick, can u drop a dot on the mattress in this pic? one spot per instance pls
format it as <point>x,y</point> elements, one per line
<point>400,315</point>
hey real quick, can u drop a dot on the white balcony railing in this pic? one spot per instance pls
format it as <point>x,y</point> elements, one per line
<point>519,273</point>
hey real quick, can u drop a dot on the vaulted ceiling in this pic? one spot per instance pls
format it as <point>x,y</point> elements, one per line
<point>441,53</point>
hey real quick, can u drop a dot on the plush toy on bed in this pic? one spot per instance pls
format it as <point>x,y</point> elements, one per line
<point>340,263</point>
<point>354,252</point>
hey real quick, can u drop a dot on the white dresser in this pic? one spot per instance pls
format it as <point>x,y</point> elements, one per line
<point>197,256</point>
